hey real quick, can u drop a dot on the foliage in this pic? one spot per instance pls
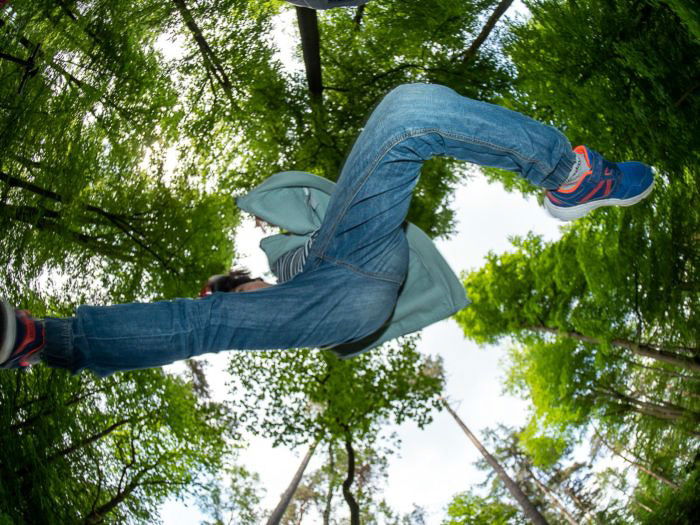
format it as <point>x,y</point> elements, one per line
<point>91,121</point>
<point>309,395</point>
<point>363,58</point>
<point>313,396</point>
<point>601,323</point>
<point>679,507</point>
<point>611,75</point>
<point>83,449</point>
<point>689,13</point>
<point>125,129</point>
<point>233,497</point>
<point>467,508</point>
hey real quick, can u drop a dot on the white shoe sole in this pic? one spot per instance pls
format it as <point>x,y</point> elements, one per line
<point>7,316</point>
<point>576,212</point>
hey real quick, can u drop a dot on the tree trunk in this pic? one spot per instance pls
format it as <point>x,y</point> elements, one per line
<point>550,493</point>
<point>70,14</point>
<point>349,498</point>
<point>329,494</point>
<point>311,49</point>
<point>641,349</point>
<point>77,398</point>
<point>15,182</point>
<point>97,515</point>
<point>359,15</point>
<point>75,446</point>
<point>661,410</point>
<point>587,510</point>
<point>500,10</point>
<point>80,84</point>
<point>43,219</point>
<point>528,508</point>
<point>286,498</point>
<point>88,440</point>
<point>16,60</point>
<point>656,369</point>
<point>645,507</point>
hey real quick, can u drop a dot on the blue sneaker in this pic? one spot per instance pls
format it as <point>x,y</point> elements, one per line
<point>21,337</point>
<point>604,183</point>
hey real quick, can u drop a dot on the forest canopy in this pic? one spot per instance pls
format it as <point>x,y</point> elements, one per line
<point>127,127</point>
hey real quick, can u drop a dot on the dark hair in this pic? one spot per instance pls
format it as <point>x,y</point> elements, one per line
<point>226,282</point>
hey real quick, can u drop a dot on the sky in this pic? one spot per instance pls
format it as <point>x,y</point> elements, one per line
<point>437,462</point>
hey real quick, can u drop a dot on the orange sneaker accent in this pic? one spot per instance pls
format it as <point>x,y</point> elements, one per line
<point>582,149</point>
<point>579,150</point>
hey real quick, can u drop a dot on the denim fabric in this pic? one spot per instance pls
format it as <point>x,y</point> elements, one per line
<point>350,282</point>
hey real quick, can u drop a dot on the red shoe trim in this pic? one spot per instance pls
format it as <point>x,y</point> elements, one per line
<point>29,337</point>
<point>25,360</point>
<point>608,188</point>
<point>29,334</point>
<point>552,198</point>
<point>587,197</point>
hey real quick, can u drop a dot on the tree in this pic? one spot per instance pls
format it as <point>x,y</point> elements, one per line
<point>278,512</point>
<point>515,491</point>
<point>566,490</point>
<point>314,396</point>
<point>584,325</point>
<point>671,506</point>
<point>321,490</point>
<point>396,42</point>
<point>611,75</point>
<point>112,449</point>
<point>85,190</point>
<point>601,321</point>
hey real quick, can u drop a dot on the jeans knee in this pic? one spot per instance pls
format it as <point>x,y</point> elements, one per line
<point>416,92</point>
<point>403,93</point>
<point>410,106</point>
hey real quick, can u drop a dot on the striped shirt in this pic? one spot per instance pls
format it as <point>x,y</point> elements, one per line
<point>292,262</point>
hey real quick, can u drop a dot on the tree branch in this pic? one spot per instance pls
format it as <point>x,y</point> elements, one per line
<point>116,220</point>
<point>636,463</point>
<point>500,10</point>
<point>642,349</point>
<point>211,63</point>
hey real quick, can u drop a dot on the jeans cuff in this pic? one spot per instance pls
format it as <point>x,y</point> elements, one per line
<point>58,351</point>
<point>561,172</point>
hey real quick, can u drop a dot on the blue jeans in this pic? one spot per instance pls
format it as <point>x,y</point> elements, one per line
<point>350,282</point>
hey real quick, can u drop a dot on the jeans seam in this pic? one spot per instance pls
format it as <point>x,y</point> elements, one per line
<point>389,145</point>
<point>359,271</point>
<point>515,153</point>
<point>393,143</point>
